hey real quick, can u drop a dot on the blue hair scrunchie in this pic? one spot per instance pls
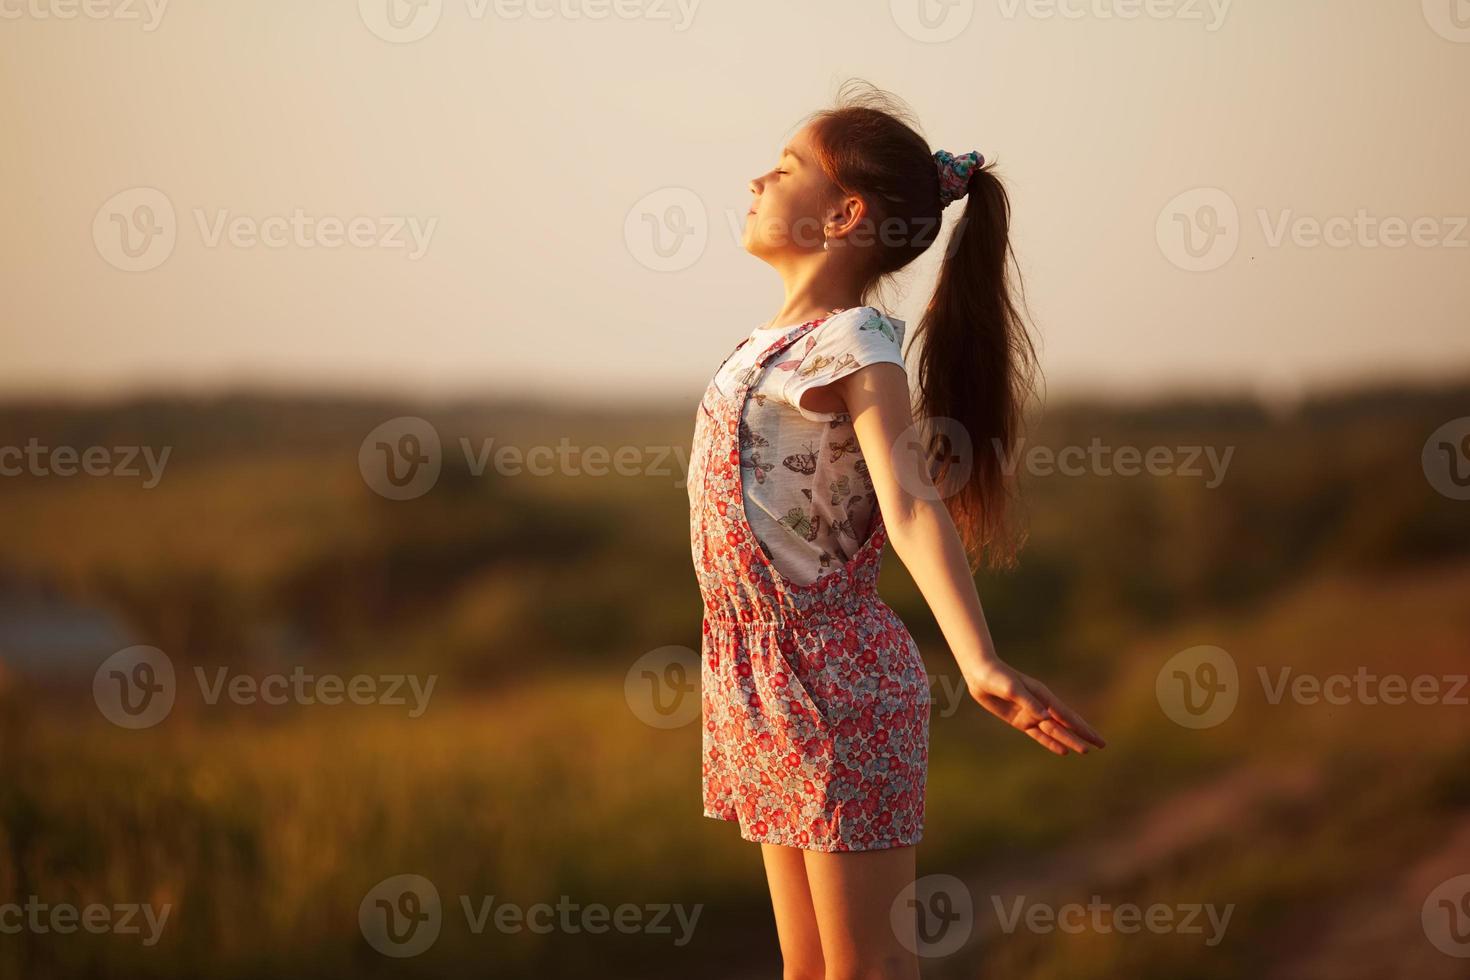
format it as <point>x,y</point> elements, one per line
<point>954,174</point>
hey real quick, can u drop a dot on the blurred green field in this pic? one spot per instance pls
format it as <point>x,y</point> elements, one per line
<point>1324,548</point>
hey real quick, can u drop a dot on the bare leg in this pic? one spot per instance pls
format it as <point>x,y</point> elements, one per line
<point>853,894</point>
<point>796,922</point>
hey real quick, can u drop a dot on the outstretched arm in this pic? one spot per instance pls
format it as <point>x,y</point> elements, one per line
<point>926,539</point>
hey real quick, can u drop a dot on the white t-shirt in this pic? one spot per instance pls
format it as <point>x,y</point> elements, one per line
<point>808,495</point>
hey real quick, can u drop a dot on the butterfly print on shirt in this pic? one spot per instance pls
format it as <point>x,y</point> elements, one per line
<point>750,437</point>
<point>879,324</point>
<point>793,363</point>
<point>802,525</point>
<point>848,445</point>
<point>818,362</point>
<point>804,463</point>
<point>757,466</point>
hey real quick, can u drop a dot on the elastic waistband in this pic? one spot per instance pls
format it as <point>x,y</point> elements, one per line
<point>860,604</point>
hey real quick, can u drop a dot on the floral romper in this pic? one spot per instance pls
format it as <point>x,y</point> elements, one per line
<point>815,699</point>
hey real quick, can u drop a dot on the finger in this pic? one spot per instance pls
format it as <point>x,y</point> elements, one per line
<point>1024,694</point>
<point>1072,718</point>
<point>1047,742</point>
<point>1064,735</point>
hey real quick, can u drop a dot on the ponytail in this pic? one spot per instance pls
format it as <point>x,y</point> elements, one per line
<point>976,363</point>
<point>976,367</point>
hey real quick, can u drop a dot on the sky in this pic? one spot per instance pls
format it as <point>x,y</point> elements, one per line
<point>542,197</point>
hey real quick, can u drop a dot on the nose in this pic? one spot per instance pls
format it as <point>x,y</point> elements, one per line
<point>755,185</point>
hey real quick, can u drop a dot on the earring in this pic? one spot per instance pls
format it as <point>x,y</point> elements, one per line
<point>824,243</point>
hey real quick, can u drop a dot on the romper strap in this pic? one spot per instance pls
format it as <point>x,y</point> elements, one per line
<point>791,337</point>
<point>732,353</point>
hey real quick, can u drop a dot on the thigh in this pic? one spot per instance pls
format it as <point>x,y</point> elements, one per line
<point>796,922</point>
<point>853,893</point>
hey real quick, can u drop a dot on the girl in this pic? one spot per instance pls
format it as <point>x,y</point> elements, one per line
<point>804,465</point>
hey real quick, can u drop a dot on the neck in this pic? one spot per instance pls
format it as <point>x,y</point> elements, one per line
<point>811,292</point>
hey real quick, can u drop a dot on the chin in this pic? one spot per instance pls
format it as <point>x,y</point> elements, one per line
<point>752,243</point>
<point>756,243</point>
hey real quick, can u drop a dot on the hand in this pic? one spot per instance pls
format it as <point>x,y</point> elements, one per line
<point>1027,704</point>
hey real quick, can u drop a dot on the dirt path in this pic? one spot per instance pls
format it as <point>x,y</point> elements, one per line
<point>1378,934</point>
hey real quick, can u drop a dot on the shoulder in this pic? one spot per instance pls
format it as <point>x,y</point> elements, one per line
<point>861,324</point>
<point>861,334</point>
<point>840,345</point>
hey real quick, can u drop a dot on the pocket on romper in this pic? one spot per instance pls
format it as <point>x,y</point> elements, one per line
<point>793,700</point>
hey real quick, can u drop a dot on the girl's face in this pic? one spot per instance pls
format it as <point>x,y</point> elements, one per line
<point>785,217</point>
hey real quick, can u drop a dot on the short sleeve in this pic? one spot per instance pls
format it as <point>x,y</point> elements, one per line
<point>845,342</point>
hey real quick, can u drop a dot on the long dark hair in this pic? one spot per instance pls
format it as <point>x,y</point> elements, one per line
<point>976,363</point>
